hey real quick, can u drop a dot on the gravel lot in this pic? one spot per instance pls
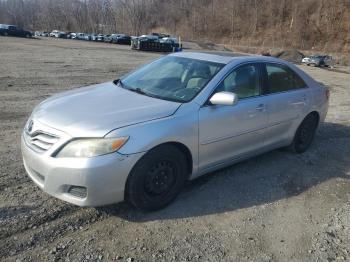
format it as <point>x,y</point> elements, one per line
<point>276,207</point>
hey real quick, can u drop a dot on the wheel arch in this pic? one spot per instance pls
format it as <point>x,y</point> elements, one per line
<point>180,146</point>
<point>186,151</point>
<point>316,114</point>
<point>183,148</point>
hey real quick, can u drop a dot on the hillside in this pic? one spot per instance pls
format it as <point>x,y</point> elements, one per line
<point>303,24</point>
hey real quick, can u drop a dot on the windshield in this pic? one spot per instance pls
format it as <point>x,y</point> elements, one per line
<point>172,78</point>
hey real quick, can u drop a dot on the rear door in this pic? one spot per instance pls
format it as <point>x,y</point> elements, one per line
<point>287,99</point>
<point>228,132</point>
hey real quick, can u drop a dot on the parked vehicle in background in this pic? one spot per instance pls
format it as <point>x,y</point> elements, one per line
<point>12,30</point>
<point>54,33</point>
<point>306,60</point>
<point>107,39</point>
<point>160,35</point>
<point>58,34</point>
<point>170,40</point>
<point>80,36</point>
<point>87,37</point>
<point>154,43</point>
<point>122,39</point>
<point>177,118</point>
<point>149,38</point>
<point>319,60</point>
<point>113,38</point>
<point>100,37</point>
<point>69,35</point>
<point>94,37</point>
<point>73,35</point>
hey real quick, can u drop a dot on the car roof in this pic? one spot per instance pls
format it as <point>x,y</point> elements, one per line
<point>8,25</point>
<point>226,57</point>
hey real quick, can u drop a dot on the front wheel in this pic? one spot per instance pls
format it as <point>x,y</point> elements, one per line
<point>157,178</point>
<point>304,134</point>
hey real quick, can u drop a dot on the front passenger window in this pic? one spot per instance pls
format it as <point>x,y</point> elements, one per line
<point>244,82</point>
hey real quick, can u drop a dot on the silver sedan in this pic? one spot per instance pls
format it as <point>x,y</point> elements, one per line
<point>141,137</point>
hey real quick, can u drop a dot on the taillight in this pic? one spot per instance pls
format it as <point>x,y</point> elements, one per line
<point>327,93</point>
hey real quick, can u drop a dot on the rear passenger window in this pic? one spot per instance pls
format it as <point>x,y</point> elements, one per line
<point>281,78</point>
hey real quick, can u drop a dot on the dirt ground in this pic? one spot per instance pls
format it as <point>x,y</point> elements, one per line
<point>276,207</point>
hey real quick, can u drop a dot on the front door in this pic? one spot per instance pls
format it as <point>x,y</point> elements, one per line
<point>228,132</point>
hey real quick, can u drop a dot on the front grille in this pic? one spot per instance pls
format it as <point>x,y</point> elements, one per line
<point>40,141</point>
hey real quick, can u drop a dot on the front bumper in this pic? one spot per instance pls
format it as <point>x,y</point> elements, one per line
<point>103,177</point>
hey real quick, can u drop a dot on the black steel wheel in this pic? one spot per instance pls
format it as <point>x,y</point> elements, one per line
<point>305,134</point>
<point>160,178</point>
<point>157,178</point>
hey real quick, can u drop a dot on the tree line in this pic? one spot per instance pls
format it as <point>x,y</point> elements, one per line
<point>304,24</point>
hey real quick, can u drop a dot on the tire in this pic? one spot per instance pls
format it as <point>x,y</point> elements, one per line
<point>6,34</point>
<point>157,178</point>
<point>304,134</point>
<point>27,35</point>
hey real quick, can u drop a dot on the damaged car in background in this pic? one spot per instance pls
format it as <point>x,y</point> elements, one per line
<point>156,42</point>
<point>319,60</point>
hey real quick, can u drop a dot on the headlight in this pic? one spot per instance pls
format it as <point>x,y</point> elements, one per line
<point>92,147</point>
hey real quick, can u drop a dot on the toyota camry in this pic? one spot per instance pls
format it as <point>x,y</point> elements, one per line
<point>141,137</point>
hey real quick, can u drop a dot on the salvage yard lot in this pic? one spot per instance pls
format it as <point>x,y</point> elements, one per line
<point>276,207</point>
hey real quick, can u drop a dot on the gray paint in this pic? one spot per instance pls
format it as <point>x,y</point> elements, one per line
<point>216,136</point>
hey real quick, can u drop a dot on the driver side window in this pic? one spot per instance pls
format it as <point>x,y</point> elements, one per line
<point>243,81</point>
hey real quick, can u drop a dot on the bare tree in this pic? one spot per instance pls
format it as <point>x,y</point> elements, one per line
<point>283,23</point>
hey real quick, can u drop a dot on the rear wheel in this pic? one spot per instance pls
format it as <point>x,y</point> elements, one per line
<point>157,178</point>
<point>305,134</point>
<point>6,34</point>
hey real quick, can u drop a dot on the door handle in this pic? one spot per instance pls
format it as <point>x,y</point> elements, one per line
<point>260,107</point>
<point>301,101</point>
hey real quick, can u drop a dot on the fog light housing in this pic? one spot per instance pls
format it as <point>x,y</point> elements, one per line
<point>77,191</point>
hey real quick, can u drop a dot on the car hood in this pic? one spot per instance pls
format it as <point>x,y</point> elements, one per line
<point>96,110</point>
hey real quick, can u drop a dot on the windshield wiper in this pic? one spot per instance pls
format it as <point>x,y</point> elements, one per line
<point>118,82</point>
<point>139,91</point>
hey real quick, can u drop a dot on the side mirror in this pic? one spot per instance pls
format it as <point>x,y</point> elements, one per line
<point>224,98</point>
